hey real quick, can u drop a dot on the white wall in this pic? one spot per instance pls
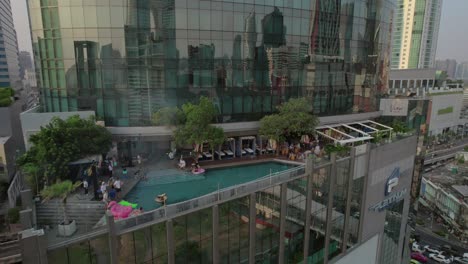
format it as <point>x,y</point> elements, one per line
<point>366,253</point>
<point>439,122</point>
<point>31,121</point>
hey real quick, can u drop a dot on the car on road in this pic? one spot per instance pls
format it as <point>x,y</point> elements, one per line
<point>459,260</point>
<point>440,258</point>
<point>432,250</point>
<point>419,257</point>
<point>417,248</point>
<point>449,250</point>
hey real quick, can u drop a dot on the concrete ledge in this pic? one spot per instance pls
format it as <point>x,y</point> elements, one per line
<point>231,129</point>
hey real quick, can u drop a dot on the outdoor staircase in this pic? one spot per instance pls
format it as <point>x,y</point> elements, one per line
<point>10,251</point>
<point>85,213</point>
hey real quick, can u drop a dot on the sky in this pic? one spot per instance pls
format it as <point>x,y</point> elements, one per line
<point>20,18</point>
<point>453,33</point>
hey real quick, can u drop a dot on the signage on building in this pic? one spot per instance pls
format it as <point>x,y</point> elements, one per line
<point>393,199</point>
<point>361,149</point>
<point>392,181</point>
<point>394,107</point>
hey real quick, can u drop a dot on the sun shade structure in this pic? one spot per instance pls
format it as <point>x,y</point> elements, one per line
<point>349,133</point>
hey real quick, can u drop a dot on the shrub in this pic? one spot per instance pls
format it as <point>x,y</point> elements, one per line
<point>13,215</point>
<point>3,190</point>
<point>440,233</point>
<point>5,96</point>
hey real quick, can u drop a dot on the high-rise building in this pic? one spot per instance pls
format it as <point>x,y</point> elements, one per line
<point>449,66</point>
<point>462,71</point>
<point>124,60</point>
<point>9,65</point>
<point>25,62</point>
<point>127,60</point>
<point>415,33</point>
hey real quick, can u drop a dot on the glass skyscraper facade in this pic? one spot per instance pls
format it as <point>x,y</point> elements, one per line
<point>9,65</point>
<point>125,59</point>
<point>416,31</point>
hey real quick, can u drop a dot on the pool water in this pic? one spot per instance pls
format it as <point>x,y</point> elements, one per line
<point>181,186</point>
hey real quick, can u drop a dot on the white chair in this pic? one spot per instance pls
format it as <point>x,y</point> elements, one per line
<point>207,155</point>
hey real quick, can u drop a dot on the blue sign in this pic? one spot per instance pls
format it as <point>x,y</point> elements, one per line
<point>393,199</point>
<point>392,181</point>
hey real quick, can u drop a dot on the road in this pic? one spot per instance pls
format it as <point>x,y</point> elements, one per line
<point>444,152</point>
<point>426,237</point>
<point>444,147</point>
<point>429,238</point>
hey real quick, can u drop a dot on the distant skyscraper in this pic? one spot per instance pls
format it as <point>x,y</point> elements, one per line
<point>449,66</point>
<point>9,66</point>
<point>416,30</point>
<point>462,71</point>
<point>25,63</point>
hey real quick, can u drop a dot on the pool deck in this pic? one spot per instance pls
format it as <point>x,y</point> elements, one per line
<point>131,181</point>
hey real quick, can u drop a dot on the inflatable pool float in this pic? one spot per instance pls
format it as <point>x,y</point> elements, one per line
<point>119,211</point>
<point>198,171</point>
<point>127,203</point>
<point>161,198</point>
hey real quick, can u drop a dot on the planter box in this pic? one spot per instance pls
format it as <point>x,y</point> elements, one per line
<point>67,230</point>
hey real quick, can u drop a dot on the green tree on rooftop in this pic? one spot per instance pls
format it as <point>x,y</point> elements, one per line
<point>294,119</point>
<point>61,142</point>
<point>60,190</point>
<point>196,128</point>
<point>6,94</point>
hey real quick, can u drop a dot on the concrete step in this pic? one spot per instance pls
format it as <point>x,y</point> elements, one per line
<point>9,248</point>
<point>11,259</point>
<point>85,214</point>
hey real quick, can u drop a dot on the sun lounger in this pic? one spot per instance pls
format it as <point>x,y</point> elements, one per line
<point>228,152</point>
<point>220,154</point>
<point>269,150</point>
<point>249,150</point>
<point>207,155</point>
<point>243,152</point>
<point>261,151</point>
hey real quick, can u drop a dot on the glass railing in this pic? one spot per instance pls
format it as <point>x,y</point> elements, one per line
<point>170,211</point>
<point>174,210</point>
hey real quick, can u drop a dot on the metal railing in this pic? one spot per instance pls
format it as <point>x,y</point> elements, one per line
<point>15,188</point>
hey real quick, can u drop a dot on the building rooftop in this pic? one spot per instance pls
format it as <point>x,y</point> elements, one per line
<point>461,189</point>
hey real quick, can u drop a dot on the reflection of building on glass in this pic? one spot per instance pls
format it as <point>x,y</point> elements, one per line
<point>249,58</point>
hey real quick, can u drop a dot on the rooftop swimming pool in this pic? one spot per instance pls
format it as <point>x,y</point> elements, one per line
<point>181,186</point>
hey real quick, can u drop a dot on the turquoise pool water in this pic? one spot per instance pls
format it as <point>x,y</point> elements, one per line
<point>181,186</point>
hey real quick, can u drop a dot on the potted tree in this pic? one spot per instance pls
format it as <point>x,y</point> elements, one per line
<point>62,190</point>
<point>377,138</point>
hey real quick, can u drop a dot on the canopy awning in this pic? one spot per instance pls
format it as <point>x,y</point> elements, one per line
<point>352,132</point>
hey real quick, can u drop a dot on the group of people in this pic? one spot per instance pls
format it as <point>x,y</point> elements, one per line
<point>183,165</point>
<point>299,151</point>
<point>115,187</point>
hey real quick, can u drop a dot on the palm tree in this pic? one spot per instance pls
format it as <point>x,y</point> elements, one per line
<point>60,190</point>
